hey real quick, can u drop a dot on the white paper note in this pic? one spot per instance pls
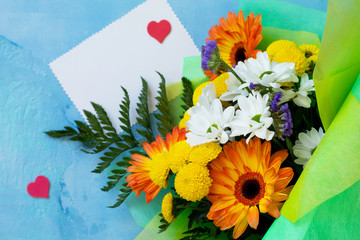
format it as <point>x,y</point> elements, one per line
<point>119,55</point>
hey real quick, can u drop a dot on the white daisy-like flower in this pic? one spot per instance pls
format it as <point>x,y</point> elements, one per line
<point>262,71</point>
<point>253,117</point>
<point>306,86</point>
<point>287,94</point>
<point>234,87</point>
<point>306,145</point>
<point>208,121</point>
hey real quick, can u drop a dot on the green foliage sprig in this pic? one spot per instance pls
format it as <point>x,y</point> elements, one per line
<point>187,94</point>
<point>166,122</point>
<point>99,135</point>
<point>144,115</point>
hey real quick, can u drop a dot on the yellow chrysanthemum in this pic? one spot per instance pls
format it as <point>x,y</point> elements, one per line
<point>311,52</point>
<point>193,182</point>
<point>292,55</point>
<point>159,171</point>
<point>204,153</point>
<point>287,51</point>
<point>179,156</point>
<point>184,119</point>
<point>167,207</point>
<point>279,45</point>
<point>220,85</point>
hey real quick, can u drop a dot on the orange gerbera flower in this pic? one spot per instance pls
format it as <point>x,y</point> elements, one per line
<point>150,174</point>
<point>237,38</point>
<point>245,176</point>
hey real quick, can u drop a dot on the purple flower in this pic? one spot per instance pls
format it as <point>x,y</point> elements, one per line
<point>208,54</point>
<point>253,86</point>
<point>274,103</point>
<point>287,126</point>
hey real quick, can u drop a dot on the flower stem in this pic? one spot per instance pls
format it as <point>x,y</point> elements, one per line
<point>234,73</point>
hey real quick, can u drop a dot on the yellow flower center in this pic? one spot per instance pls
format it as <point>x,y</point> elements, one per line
<point>250,188</point>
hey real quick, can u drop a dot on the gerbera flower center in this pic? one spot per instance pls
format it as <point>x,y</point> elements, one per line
<point>250,188</point>
<point>237,53</point>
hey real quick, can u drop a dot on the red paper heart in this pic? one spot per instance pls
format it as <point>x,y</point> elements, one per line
<point>159,30</point>
<point>39,188</point>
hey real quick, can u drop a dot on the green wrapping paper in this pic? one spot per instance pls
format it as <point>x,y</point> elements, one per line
<point>334,166</point>
<point>284,15</point>
<point>339,58</point>
<point>334,219</point>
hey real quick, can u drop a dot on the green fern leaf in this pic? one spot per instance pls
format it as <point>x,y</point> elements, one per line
<point>109,157</point>
<point>105,121</point>
<point>166,122</point>
<point>124,118</point>
<point>124,193</point>
<point>164,224</point>
<point>94,124</point>
<point>144,116</point>
<point>187,94</point>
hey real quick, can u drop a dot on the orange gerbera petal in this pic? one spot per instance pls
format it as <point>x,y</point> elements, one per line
<point>237,38</point>
<point>273,210</point>
<point>253,217</point>
<point>240,228</point>
<point>139,179</point>
<point>237,196</point>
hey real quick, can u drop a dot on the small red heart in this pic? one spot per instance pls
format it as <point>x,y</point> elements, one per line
<point>159,30</point>
<point>39,188</point>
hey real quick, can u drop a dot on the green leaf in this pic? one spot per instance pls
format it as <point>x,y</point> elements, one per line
<point>166,122</point>
<point>124,193</point>
<point>144,116</point>
<point>94,124</point>
<point>105,121</point>
<point>124,118</point>
<point>60,133</point>
<point>109,157</point>
<point>164,224</point>
<point>187,94</point>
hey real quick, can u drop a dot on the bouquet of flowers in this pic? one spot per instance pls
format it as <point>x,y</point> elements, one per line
<point>246,132</point>
<point>228,153</point>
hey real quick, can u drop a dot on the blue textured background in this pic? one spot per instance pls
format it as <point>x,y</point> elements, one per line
<point>32,34</point>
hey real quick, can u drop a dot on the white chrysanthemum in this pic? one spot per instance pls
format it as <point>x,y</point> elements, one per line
<point>234,89</point>
<point>253,117</point>
<point>208,121</point>
<point>262,71</point>
<point>306,145</point>
<point>306,85</point>
<point>287,95</point>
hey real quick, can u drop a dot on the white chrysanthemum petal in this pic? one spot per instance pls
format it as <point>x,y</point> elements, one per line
<point>259,71</point>
<point>302,101</point>
<point>306,86</point>
<point>208,122</point>
<point>253,117</point>
<point>306,141</point>
<point>306,145</point>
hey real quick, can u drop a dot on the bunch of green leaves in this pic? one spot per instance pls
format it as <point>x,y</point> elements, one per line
<point>100,135</point>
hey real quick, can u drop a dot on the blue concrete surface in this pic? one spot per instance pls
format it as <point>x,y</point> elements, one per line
<point>32,34</point>
<point>32,102</point>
